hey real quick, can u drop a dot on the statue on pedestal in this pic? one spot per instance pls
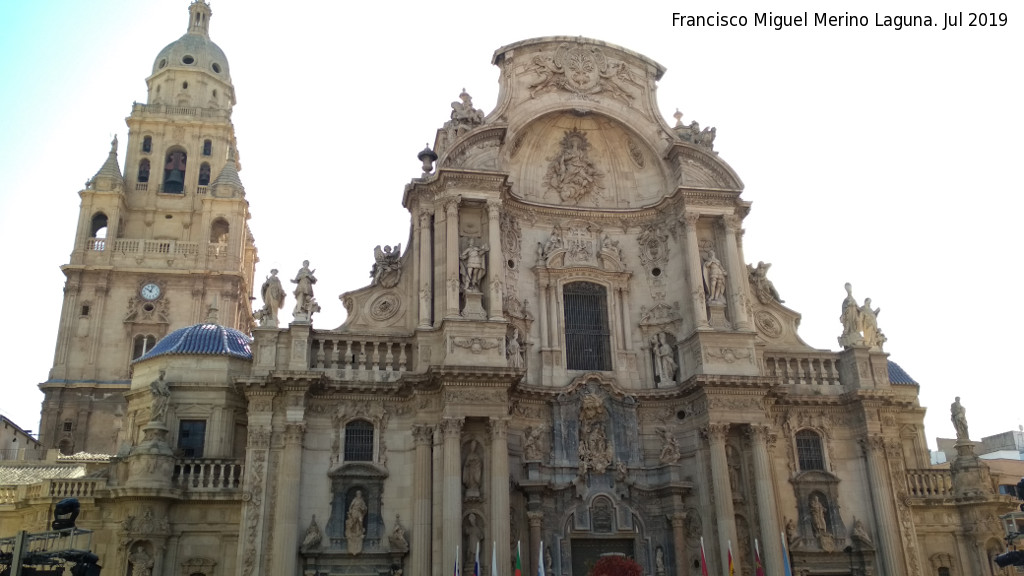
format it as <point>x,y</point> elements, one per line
<point>273,300</point>
<point>714,278</point>
<point>958,414</point>
<point>472,266</point>
<point>305,303</point>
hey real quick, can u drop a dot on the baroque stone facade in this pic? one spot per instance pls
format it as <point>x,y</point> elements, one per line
<point>571,350</point>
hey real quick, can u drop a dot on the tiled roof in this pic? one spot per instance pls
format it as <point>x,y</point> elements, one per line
<point>21,475</point>
<point>898,375</point>
<point>203,340</point>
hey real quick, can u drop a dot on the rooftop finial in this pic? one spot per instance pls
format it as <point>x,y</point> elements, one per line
<point>679,118</point>
<point>199,18</point>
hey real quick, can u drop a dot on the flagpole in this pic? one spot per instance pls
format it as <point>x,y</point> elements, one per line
<point>494,558</point>
<point>456,560</point>
<point>540,559</point>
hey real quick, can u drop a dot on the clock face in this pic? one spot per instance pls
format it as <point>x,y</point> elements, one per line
<point>150,291</point>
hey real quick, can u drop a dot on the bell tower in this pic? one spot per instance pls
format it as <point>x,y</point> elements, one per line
<point>162,245</point>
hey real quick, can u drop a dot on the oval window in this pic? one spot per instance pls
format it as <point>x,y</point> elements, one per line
<point>216,67</point>
<point>188,59</point>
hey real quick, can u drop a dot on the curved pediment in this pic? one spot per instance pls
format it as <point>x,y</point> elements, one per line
<point>365,470</point>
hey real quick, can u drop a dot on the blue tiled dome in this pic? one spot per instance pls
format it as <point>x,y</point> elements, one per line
<point>203,340</point>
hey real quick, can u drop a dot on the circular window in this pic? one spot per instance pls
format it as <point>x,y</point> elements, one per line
<point>511,264</point>
<point>163,62</point>
<point>148,307</point>
<point>216,67</point>
<point>656,272</point>
<point>681,414</point>
<point>187,59</point>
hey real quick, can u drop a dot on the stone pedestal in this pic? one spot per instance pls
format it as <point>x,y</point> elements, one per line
<point>474,307</point>
<point>716,316</point>
<point>151,462</point>
<point>970,475</point>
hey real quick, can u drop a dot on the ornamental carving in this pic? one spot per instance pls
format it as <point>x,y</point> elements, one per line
<point>474,345</point>
<point>768,324</point>
<point>594,446</point>
<point>583,71</point>
<point>571,173</point>
<point>144,311</point>
<point>653,246</point>
<point>385,306</point>
<point>387,266</point>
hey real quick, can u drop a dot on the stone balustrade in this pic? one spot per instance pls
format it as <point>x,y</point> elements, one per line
<point>367,358</point>
<point>141,247</point>
<point>193,111</point>
<point>208,474</point>
<point>930,483</point>
<point>66,488</point>
<point>820,369</point>
<point>8,495</point>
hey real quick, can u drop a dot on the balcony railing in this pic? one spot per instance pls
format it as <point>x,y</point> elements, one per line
<point>125,246</point>
<point>817,369</point>
<point>367,358</point>
<point>208,474</point>
<point>930,483</point>
<point>66,488</point>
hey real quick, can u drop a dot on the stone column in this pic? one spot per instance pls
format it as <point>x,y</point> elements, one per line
<point>535,519</point>
<point>451,519</point>
<point>726,518</point>
<point>451,270</point>
<point>694,273</point>
<point>286,514</point>
<point>419,561</point>
<point>771,530</point>
<point>499,490</point>
<point>495,260</point>
<point>678,521</point>
<point>425,268</point>
<point>251,552</point>
<point>886,523</point>
<point>737,279</point>
<point>627,342</point>
<point>543,298</point>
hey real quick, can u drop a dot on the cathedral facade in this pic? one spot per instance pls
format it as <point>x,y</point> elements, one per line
<point>572,350</point>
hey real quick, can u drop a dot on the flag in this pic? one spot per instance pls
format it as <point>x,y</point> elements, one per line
<point>456,561</point>
<point>758,568</point>
<point>494,558</point>
<point>787,570</point>
<point>540,559</point>
<point>732,572</point>
<point>476,561</point>
<point>703,560</point>
<point>519,560</point>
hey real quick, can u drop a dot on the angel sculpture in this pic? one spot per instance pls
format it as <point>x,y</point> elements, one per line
<point>387,268</point>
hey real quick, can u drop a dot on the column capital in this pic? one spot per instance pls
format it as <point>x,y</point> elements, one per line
<point>872,443</point>
<point>677,519</point>
<point>689,219</point>
<point>425,214</point>
<point>422,433</point>
<point>498,427</point>
<point>732,222</point>
<point>761,433</point>
<point>535,518</point>
<point>451,427</point>
<point>493,208</point>
<point>715,432</point>
<point>451,205</point>
<point>293,434</point>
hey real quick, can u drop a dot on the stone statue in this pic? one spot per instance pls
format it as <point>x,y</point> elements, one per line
<point>958,414</point>
<point>764,290</point>
<point>571,173</point>
<point>818,516</point>
<point>859,533</point>
<point>549,562</point>
<point>659,561</point>
<point>714,278</point>
<point>850,319</point>
<point>554,242</point>
<point>669,446</point>
<point>142,562</point>
<point>790,532</point>
<point>161,397</point>
<point>387,266</point>
<point>665,359</point>
<point>355,524</point>
<point>472,266</point>
<point>464,116</point>
<point>313,537</point>
<point>273,300</point>
<point>873,337</point>
<point>514,351</point>
<point>397,537</point>
<point>706,138</point>
<point>473,469</point>
<point>305,304</point>
<point>473,533</point>
<point>532,449</point>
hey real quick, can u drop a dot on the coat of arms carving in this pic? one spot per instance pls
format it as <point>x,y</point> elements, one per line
<point>582,71</point>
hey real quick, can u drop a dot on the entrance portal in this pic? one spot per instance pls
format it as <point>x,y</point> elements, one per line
<point>586,552</point>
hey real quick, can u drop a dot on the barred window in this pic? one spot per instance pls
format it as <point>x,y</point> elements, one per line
<point>359,441</point>
<point>587,343</point>
<point>808,450</point>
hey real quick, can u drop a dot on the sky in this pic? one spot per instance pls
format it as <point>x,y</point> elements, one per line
<point>886,158</point>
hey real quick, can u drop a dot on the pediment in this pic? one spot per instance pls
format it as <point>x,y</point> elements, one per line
<point>366,470</point>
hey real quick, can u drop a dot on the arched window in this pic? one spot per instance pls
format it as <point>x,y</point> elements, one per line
<point>587,343</point>
<point>808,450</point>
<point>174,171</point>
<point>207,144</point>
<point>98,226</point>
<point>219,231</point>
<point>147,144</point>
<point>359,441</point>
<point>143,171</point>
<point>143,343</point>
<point>204,174</point>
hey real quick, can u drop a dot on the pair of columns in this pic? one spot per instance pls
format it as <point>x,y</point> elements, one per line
<point>736,279</point>
<point>451,496</point>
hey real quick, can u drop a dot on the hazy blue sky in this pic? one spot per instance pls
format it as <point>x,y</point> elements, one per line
<point>889,159</point>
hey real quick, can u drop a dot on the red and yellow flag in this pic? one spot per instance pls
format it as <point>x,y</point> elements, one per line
<point>732,571</point>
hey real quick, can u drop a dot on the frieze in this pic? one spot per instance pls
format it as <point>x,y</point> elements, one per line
<point>716,403</point>
<point>728,355</point>
<point>475,396</point>
<point>475,345</point>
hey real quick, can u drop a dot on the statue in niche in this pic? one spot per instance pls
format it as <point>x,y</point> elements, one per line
<point>473,470</point>
<point>313,537</point>
<point>549,562</point>
<point>355,524</point>
<point>472,266</point>
<point>387,266</point>
<point>659,561</point>
<point>142,562</point>
<point>464,116</point>
<point>818,516</point>
<point>665,359</point>
<point>714,278</point>
<point>764,290</point>
<point>791,537</point>
<point>669,446</point>
<point>305,303</point>
<point>532,449</point>
<point>571,173</point>
<point>397,538</point>
<point>161,396</point>
<point>514,351</point>
<point>273,300</point>
<point>473,534</point>
<point>595,450</point>
<point>958,414</point>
